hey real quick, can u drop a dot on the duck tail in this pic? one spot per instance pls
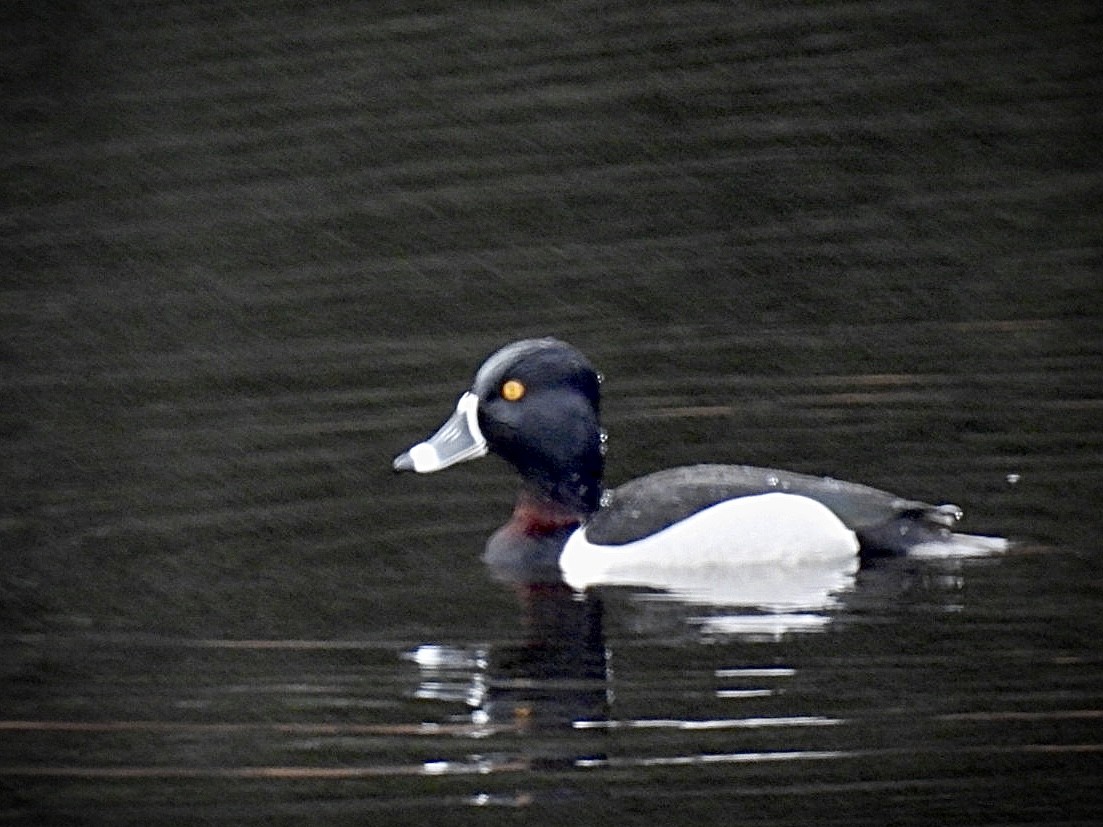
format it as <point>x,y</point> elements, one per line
<point>926,532</point>
<point>961,545</point>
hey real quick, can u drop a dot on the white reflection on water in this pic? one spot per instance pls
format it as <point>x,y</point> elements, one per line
<point>771,587</point>
<point>714,758</point>
<point>435,656</point>
<point>754,672</point>
<point>714,724</point>
<point>755,627</point>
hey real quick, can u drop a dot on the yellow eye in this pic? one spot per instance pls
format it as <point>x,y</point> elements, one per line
<point>512,390</point>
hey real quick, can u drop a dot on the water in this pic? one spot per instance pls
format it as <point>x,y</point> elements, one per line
<point>394,677</point>
<point>247,260</point>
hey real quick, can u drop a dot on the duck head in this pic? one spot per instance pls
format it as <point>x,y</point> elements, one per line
<point>535,404</point>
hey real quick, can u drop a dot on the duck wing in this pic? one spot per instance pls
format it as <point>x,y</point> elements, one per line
<point>653,502</point>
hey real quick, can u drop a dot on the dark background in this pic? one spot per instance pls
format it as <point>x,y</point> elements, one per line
<point>249,252</point>
<point>241,244</point>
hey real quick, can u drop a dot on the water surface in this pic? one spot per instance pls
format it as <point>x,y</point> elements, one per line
<point>249,257</point>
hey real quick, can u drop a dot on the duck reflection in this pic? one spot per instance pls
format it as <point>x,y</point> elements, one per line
<point>558,675</point>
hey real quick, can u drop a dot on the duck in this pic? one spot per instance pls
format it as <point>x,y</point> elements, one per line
<point>536,403</point>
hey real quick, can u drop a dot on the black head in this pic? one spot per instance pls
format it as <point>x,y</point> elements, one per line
<point>534,403</point>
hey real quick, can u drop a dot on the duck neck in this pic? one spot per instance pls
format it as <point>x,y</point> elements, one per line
<point>535,513</point>
<point>571,492</point>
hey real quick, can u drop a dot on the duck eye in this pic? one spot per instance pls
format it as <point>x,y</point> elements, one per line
<point>512,390</point>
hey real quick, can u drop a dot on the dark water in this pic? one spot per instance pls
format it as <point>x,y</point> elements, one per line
<point>250,254</point>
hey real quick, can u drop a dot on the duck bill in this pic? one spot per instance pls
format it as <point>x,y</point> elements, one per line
<point>459,439</point>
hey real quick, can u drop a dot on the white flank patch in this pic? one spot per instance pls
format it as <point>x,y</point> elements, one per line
<point>778,550</point>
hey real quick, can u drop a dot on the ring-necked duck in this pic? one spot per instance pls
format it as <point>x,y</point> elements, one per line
<point>535,403</point>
